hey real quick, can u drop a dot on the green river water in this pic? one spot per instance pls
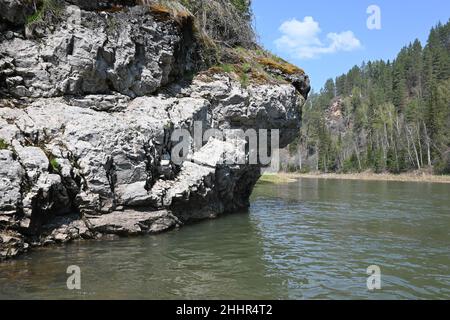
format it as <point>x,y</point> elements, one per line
<point>310,239</point>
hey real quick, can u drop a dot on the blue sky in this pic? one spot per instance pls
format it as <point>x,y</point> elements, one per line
<point>327,38</point>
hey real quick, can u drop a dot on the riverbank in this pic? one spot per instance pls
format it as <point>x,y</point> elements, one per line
<point>368,176</point>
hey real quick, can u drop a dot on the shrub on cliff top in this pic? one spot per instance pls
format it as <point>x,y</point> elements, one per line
<point>279,64</point>
<point>226,22</point>
<point>173,10</point>
<point>253,66</point>
<point>217,24</point>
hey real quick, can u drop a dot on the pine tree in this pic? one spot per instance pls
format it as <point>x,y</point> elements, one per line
<point>395,116</point>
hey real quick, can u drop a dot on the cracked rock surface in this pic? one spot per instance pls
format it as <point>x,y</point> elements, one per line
<point>86,120</point>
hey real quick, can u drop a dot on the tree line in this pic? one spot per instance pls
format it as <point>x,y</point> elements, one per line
<point>385,116</point>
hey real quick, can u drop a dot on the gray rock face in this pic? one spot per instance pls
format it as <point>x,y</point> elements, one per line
<point>14,11</point>
<point>133,222</point>
<point>11,175</point>
<point>127,52</point>
<point>88,150</point>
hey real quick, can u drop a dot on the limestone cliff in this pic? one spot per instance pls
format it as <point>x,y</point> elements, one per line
<point>91,92</point>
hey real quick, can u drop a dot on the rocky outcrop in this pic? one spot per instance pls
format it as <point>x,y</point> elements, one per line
<point>127,52</point>
<point>133,222</point>
<point>14,12</point>
<point>86,121</point>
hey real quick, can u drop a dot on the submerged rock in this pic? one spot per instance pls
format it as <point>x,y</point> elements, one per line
<point>86,124</point>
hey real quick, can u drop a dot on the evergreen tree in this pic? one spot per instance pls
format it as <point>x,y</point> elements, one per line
<point>394,116</point>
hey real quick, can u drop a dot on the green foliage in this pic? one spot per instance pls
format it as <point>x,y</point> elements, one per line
<point>443,165</point>
<point>35,17</point>
<point>251,66</point>
<point>304,169</point>
<point>391,116</point>
<point>45,9</point>
<point>241,5</point>
<point>246,67</point>
<point>225,22</point>
<point>54,164</point>
<point>351,164</point>
<point>227,68</point>
<point>292,168</point>
<point>277,63</point>
<point>3,144</point>
<point>392,162</point>
<point>293,147</point>
<point>329,90</point>
<point>378,161</point>
<point>244,79</point>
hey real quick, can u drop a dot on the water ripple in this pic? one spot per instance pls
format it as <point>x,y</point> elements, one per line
<point>313,239</point>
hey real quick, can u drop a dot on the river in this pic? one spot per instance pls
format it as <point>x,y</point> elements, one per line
<point>310,239</point>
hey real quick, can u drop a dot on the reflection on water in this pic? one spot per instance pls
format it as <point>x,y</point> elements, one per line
<point>311,239</point>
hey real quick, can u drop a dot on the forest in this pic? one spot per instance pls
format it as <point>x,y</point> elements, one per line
<point>383,116</point>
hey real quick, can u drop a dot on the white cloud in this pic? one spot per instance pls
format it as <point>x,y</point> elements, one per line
<point>301,39</point>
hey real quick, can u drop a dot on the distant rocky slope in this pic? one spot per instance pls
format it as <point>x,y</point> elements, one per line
<point>91,92</point>
<point>382,116</point>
